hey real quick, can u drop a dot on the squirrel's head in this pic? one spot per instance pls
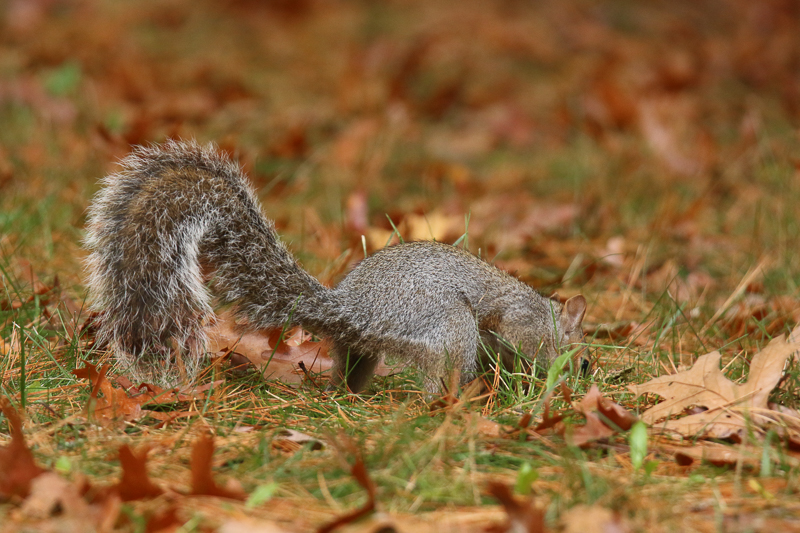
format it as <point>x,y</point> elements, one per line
<point>544,336</point>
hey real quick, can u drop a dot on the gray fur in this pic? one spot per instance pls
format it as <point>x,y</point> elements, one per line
<point>177,206</point>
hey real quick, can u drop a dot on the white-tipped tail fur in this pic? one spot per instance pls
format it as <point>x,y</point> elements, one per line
<point>169,208</point>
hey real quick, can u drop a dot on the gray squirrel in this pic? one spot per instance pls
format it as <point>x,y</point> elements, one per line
<point>178,209</point>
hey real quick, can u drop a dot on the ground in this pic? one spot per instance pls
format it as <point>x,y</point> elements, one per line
<point>644,155</point>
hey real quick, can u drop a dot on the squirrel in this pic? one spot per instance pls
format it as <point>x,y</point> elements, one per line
<point>179,209</point>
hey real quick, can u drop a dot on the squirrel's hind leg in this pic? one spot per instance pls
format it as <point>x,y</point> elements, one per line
<point>353,368</point>
<point>446,354</point>
<point>453,360</point>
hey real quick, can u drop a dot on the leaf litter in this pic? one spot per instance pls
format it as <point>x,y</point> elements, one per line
<point>729,410</point>
<point>633,152</point>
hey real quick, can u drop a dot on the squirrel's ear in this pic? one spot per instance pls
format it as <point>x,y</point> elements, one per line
<point>555,297</point>
<point>572,314</point>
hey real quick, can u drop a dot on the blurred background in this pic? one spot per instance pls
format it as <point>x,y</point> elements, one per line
<point>644,153</point>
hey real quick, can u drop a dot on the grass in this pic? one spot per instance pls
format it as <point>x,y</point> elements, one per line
<point>420,461</point>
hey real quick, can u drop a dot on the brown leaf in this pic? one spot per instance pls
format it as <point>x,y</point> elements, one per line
<point>668,124</point>
<point>596,427</point>
<point>203,483</point>
<point>264,349</point>
<point>488,428</point>
<point>117,406</point>
<point>435,226</point>
<point>278,358</point>
<point>593,519</point>
<point>593,430</point>
<point>294,440</point>
<point>135,483</point>
<point>715,453</point>
<point>359,473</point>
<point>166,520</point>
<point>51,494</point>
<point>547,420</point>
<point>728,404</point>
<point>54,504</point>
<point>114,407</point>
<point>595,401</point>
<point>523,516</point>
<point>293,145</point>
<point>17,466</point>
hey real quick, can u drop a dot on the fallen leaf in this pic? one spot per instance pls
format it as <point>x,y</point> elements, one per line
<point>117,406</point>
<point>135,483</point>
<point>597,427</point>
<point>203,483</point>
<point>163,521</point>
<point>56,505</point>
<point>595,401</point>
<point>277,358</point>
<point>435,226</point>
<point>488,428</point>
<point>359,473</point>
<point>295,440</point>
<point>593,519</point>
<point>729,405</point>
<point>17,466</point>
<point>582,435</point>
<point>715,453</point>
<point>523,516</point>
<point>264,349</point>
<point>51,494</point>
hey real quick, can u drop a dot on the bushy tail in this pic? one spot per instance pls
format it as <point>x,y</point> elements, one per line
<point>169,210</point>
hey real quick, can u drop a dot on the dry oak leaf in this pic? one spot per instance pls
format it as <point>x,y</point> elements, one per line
<point>523,515</point>
<point>360,474</point>
<point>728,404</point>
<point>593,519</point>
<point>595,401</point>
<point>114,407</point>
<point>277,354</point>
<point>488,428</point>
<point>277,358</point>
<point>291,440</point>
<point>56,505</point>
<point>135,483</point>
<point>117,406</point>
<point>715,453</point>
<point>17,466</point>
<point>203,483</point>
<point>597,427</point>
